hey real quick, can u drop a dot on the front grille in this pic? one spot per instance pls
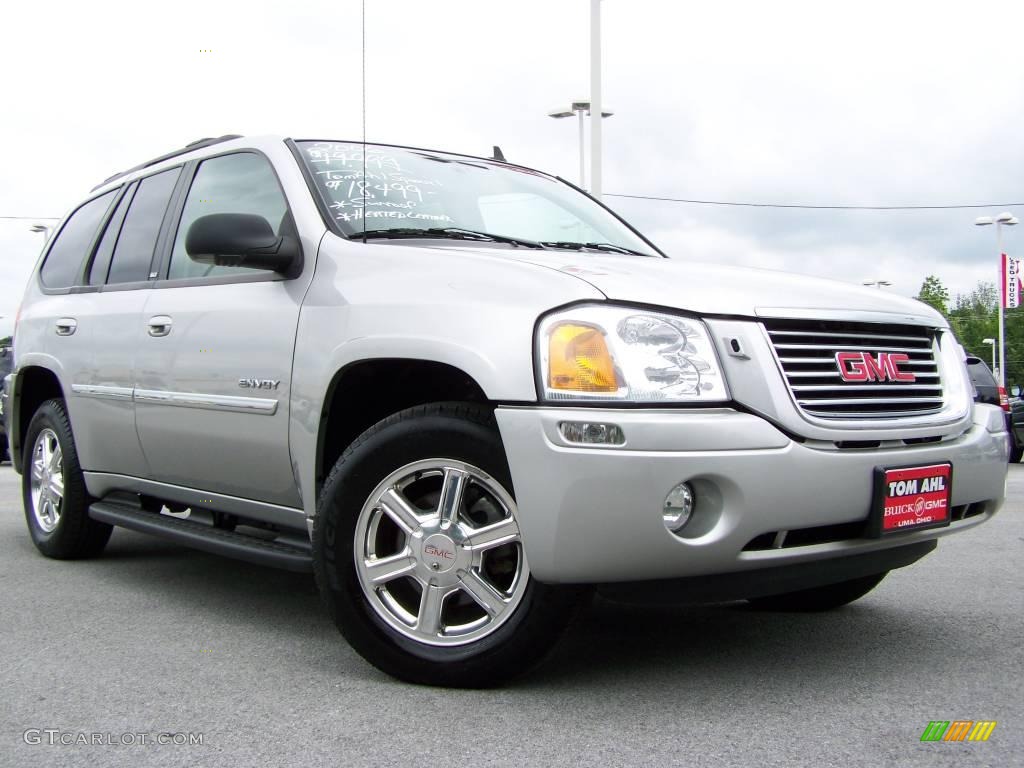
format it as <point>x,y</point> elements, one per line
<point>807,349</point>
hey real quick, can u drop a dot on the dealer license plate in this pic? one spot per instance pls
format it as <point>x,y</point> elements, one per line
<point>912,498</point>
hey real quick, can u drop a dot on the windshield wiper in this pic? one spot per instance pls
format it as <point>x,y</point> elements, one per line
<point>607,247</point>
<point>451,233</point>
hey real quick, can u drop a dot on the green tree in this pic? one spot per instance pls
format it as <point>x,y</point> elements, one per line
<point>933,292</point>
<point>974,318</point>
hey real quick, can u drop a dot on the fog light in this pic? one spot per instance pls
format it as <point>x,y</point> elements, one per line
<point>591,433</point>
<point>678,507</point>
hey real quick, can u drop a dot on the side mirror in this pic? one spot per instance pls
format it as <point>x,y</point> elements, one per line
<point>1015,390</point>
<point>242,240</point>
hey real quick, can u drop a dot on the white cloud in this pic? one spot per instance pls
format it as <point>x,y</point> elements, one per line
<point>910,102</point>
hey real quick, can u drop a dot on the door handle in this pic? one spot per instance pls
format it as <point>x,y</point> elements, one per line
<point>159,325</point>
<point>66,326</point>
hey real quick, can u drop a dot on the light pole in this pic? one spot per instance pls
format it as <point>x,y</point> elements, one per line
<point>1002,220</point>
<point>879,284</point>
<point>579,108</point>
<point>991,343</point>
<point>595,98</point>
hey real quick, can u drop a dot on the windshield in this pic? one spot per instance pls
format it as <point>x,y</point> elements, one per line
<point>411,189</point>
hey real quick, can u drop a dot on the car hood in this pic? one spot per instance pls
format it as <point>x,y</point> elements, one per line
<point>719,290</point>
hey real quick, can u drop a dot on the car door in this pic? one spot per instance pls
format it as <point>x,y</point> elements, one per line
<point>213,374</point>
<point>57,324</point>
<point>117,281</point>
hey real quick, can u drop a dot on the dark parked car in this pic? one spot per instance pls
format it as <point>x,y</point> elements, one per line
<point>987,390</point>
<point>6,362</point>
<point>1016,429</point>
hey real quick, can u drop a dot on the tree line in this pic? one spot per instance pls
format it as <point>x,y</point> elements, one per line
<point>974,317</point>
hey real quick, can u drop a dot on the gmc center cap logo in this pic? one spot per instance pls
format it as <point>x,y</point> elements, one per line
<point>439,552</point>
<point>863,366</point>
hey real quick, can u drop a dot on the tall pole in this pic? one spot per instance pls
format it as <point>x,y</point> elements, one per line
<point>1002,301</point>
<point>583,178</point>
<point>595,98</point>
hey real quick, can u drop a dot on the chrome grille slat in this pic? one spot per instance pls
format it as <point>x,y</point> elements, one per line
<point>806,350</point>
<point>870,400</point>
<point>832,360</point>
<point>852,348</point>
<point>835,375</point>
<point>864,387</point>
<point>831,335</point>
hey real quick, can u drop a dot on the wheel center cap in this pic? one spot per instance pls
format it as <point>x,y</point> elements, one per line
<point>439,553</point>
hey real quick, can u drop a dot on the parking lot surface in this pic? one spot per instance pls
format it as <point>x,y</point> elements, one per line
<point>156,639</point>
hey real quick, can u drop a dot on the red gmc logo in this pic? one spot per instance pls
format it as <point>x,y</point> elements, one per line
<point>430,549</point>
<point>863,366</point>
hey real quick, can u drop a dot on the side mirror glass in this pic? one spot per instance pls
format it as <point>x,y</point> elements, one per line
<point>242,240</point>
<point>1015,390</point>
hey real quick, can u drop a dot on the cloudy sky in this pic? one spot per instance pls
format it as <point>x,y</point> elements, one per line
<point>873,103</point>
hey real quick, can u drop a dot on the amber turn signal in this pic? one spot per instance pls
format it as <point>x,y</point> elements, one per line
<point>578,360</point>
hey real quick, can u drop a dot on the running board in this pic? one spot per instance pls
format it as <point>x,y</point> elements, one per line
<point>205,537</point>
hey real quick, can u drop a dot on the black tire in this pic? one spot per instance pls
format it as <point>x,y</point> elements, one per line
<point>5,454</point>
<point>457,431</point>
<point>75,535</point>
<point>820,598</point>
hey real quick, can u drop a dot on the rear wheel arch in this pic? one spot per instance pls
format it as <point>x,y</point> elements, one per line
<point>377,388</point>
<point>34,386</point>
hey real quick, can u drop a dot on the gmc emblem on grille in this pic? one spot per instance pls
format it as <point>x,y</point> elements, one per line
<point>863,366</point>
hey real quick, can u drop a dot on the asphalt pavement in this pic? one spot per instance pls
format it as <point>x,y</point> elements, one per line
<point>155,639</point>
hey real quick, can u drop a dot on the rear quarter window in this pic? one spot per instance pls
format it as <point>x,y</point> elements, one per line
<point>136,241</point>
<point>73,243</point>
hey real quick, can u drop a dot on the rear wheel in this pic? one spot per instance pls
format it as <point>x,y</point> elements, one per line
<point>418,553</point>
<point>820,598</point>
<point>53,489</point>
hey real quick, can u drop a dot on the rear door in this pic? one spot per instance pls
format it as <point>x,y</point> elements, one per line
<point>55,328</point>
<point>213,374</point>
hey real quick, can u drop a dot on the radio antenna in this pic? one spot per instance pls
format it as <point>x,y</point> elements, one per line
<point>362,190</point>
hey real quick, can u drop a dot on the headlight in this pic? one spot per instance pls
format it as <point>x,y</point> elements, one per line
<point>633,355</point>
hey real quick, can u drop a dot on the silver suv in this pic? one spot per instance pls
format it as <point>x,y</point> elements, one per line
<point>463,393</point>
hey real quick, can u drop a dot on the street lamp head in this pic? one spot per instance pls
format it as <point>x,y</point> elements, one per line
<point>1006,218</point>
<point>578,106</point>
<point>988,341</point>
<point>983,221</point>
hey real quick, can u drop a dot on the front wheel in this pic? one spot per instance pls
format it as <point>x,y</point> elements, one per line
<point>419,557</point>
<point>820,598</point>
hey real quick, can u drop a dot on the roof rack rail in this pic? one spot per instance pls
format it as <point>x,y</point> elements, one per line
<point>190,147</point>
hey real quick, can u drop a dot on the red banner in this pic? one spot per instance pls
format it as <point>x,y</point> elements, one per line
<point>1011,283</point>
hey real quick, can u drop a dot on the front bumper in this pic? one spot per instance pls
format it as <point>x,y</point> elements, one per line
<point>593,514</point>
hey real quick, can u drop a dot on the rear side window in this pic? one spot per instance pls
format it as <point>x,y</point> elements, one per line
<point>70,249</point>
<point>105,250</point>
<point>136,242</point>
